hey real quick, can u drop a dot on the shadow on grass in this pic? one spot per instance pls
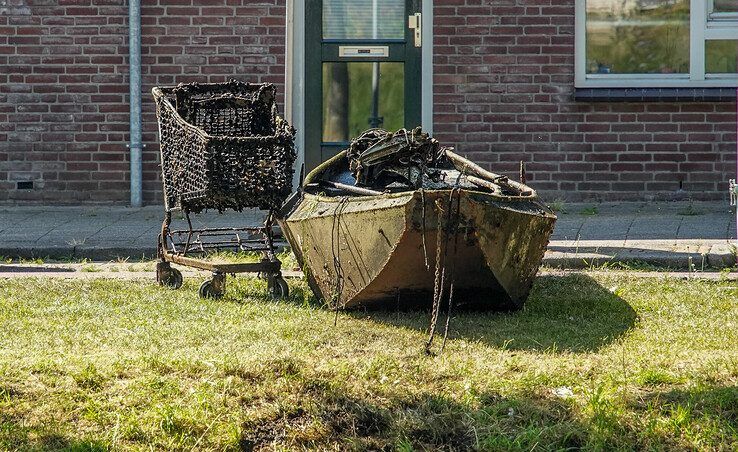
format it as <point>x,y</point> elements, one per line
<point>572,313</point>
<point>16,434</point>
<point>708,411</point>
<point>323,414</point>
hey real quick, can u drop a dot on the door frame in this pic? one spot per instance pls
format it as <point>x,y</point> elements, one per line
<point>296,84</point>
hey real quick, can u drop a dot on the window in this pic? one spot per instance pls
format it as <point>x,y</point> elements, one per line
<point>359,19</point>
<point>656,43</point>
<point>723,6</point>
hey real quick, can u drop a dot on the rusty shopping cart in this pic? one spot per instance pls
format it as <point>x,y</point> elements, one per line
<point>223,146</point>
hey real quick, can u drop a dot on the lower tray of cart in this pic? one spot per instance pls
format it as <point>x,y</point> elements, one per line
<point>195,242</point>
<point>222,264</point>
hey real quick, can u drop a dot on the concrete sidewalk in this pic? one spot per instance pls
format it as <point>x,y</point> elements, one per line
<point>586,235</point>
<point>667,234</point>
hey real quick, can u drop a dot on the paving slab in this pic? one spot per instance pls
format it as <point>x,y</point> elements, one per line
<point>611,227</point>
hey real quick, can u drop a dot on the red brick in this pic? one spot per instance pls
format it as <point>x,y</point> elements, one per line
<point>503,83</point>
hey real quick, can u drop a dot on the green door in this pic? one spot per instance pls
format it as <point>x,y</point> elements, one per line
<point>363,70</point>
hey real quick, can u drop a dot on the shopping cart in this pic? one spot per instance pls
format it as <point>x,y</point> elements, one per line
<point>223,146</point>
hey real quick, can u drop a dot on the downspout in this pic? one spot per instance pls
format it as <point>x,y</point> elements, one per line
<point>135,145</point>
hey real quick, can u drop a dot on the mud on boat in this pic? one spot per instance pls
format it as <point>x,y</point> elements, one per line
<point>397,220</point>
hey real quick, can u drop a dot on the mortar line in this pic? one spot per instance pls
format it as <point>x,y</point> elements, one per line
<point>120,215</point>
<point>679,228</point>
<point>729,228</point>
<point>579,231</point>
<point>52,229</point>
<point>630,226</point>
<point>14,223</point>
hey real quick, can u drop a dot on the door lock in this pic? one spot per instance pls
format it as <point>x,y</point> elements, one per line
<point>416,23</point>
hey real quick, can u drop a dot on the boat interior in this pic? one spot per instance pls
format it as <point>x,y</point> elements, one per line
<point>334,178</point>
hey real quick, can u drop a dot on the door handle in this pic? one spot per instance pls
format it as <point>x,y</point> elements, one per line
<point>415,22</point>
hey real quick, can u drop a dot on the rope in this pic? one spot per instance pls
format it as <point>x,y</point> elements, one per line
<point>448,318</point>
<point>425,250</point>
<point>453,262</point>
<point>336,252</point>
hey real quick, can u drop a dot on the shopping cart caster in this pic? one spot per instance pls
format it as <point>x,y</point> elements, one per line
<point>167,276</point>
<point>213,287</point>
<point>277,287</point>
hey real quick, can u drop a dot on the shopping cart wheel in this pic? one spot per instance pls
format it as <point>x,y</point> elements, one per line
<point>214,287</point>
<point>278,287</point>
<point>167,276</point>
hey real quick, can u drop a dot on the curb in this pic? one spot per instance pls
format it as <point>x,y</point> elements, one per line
<point>718,256</point>
<point>80,252</point>
<point>719,259</point>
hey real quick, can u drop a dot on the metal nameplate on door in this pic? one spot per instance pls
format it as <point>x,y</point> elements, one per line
<point>363,51</point>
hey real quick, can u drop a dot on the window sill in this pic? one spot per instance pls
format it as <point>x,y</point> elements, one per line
<point>655,94</point>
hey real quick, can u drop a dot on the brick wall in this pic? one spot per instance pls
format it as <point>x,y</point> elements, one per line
<point>503,84</point>
<point>504,77</point>
<point>64,84</point>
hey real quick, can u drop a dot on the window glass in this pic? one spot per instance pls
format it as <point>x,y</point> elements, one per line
<point>363,19</point>
<point>637,36</point>
<point>726,6</point>
<point>353,102</point>
<point>721,57</point>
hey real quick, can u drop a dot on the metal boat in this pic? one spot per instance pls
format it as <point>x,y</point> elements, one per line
<point>471,235</point>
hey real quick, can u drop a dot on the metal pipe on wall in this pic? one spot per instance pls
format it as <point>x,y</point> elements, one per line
<point>135,145</point>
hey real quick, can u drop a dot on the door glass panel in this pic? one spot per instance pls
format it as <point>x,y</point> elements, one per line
<point>721,57</point>
<point>363,19</point>
<point>359,96</point>
<point>637,37</point>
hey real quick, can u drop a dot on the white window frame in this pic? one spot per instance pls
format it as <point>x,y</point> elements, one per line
<point>705,25</point>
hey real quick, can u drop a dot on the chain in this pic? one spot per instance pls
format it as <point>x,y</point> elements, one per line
<point>440,273</point>
<point>453,261</point>
<point>438,280</point>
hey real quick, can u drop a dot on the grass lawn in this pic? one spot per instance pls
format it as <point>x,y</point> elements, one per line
<point>605,361</point>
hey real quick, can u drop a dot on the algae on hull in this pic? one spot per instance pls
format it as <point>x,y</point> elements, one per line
<point>362,247</point>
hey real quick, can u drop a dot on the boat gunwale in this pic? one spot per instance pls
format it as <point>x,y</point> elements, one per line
<point>410,194</point>
<point>315,174</point>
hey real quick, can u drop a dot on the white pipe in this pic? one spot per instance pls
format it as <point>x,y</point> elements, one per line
<point>135,146</point>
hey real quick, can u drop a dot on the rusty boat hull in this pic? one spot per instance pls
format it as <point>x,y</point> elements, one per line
<point>383,250</point>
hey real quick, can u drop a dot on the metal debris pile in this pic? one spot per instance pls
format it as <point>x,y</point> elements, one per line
<point>224,147</point>
<point>381,161</point>
<point>405,159</point>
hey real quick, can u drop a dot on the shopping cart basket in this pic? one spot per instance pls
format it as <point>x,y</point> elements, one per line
<point>223,146</point>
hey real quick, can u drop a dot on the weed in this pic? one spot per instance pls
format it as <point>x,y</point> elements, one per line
<point>558,206</point>
<point>89,378</point>
<point>690,210</point>
<point>635,265</point>
<point>90,268</point>
<point>591,211</point>
<point>654,377</point>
